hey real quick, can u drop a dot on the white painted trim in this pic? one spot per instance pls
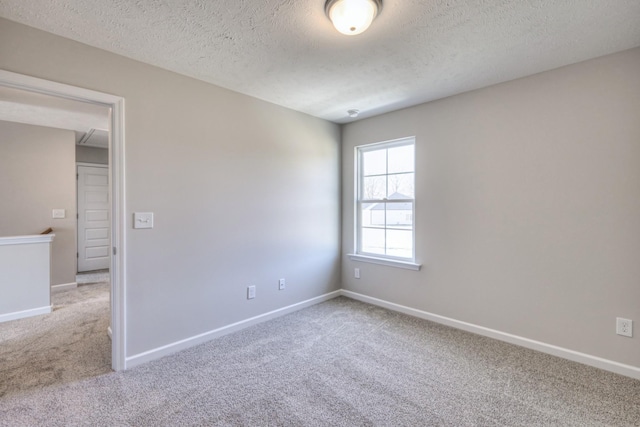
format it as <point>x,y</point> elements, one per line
<point>165,350</point>
<point>91,165</point>
<point>575,356</point>
<point>407,265</point>
<point>118,268</point>
<point>63,286</point>
<point>24,240</point>
<point>359,152</point>
<point>117,179</point>
<point>25,313</point>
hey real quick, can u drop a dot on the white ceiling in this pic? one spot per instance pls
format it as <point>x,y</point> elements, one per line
<point>287,52</point>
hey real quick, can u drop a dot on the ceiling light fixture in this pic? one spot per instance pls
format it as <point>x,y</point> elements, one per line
<point>352,17</point>
<point>353,113</point>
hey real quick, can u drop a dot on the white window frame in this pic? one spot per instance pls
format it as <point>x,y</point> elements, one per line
<point>359,255</point>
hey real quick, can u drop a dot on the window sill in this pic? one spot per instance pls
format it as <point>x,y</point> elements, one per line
<point>385,261</point>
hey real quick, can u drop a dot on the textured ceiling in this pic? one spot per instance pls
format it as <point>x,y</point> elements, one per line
<point>287,52</point>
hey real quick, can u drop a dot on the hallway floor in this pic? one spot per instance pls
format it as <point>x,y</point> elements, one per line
<point>69,344</point>
<point>96,276</point>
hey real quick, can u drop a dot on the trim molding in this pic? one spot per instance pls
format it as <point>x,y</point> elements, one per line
<point>385,261</point>
<point>116,192</point>
<point>25,313</point>
<point>92,165</point>
<point>23,240</point>
<point>165,350</point>
<point>575,356</point>
<point>63,287</point>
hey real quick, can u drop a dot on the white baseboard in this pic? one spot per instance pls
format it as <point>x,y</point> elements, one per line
<point>25,313</point>
<point>64,286</point>
<point>165,350</point>
<point>586,359</point>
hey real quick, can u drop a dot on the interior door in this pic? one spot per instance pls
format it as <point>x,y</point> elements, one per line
<point>93,218</point>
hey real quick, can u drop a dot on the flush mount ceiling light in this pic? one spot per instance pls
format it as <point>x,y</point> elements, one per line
<point>353,113</point>
<point>352,17</point>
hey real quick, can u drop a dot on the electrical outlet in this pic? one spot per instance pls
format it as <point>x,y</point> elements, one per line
<point>624,327</point>
<point>356,273</point>
<point>251,292</point>
<point>281,284</point>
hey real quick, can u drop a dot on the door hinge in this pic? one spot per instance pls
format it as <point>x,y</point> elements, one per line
<point>77,176</point>
<point>114,250</point>
<point>77,216</point>
<point>77,255</point>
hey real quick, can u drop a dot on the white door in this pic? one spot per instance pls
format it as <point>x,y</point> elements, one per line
<point>93,218</point>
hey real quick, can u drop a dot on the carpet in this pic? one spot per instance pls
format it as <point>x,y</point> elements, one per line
<point>67,345</point>
<point>339,363</point>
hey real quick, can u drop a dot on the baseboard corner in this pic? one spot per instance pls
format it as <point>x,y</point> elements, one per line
<point>25,313</point>
<point>64,286</point>
<point>157,353</point>
<point>575,356</point>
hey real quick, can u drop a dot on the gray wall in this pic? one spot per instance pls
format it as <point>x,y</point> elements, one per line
<point>97,155</point>
<point>243,191</point>
<point>528,206</point>
<point>37,175</point>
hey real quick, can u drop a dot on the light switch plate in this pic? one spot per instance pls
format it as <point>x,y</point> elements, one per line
<point>58,213</point>
<point>143,220</point>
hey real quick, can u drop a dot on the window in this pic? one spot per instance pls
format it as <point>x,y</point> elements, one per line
<point>385,202</point>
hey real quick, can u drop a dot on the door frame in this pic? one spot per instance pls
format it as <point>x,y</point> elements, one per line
<point>78,165</point>
<point>116,193</point>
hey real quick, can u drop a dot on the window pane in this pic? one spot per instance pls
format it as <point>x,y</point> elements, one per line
<point>400,186</point>
<point>400,243</point>
<point>372,214</point>
<point>374,188</point>
<point>373,240</point>
<point>401,159</point>
<point>399,215</point>
<point>374,162</point>
<point>385,179</point>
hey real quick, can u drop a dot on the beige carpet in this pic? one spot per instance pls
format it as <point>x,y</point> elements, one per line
<point>67,345</point>
<point>340,363</point>
<point>93,277</point>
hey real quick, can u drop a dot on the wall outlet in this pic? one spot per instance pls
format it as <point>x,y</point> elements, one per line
<point>624,327</point>
<point>281,284</point>
<point>356,273</point>
<point>251,292</point>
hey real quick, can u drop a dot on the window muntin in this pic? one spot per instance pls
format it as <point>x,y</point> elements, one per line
<point>385,202</point>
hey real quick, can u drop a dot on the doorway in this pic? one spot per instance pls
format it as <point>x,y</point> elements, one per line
<point>116,248</point>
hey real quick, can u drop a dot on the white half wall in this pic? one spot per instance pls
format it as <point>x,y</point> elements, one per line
<point>25,263</point>
<point>37,175</point>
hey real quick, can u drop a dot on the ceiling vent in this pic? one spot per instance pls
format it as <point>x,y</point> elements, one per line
<point>95,138</point>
